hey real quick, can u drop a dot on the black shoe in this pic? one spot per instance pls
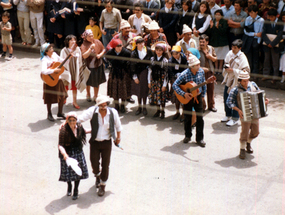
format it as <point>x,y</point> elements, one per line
<point>139,110</point>
<point>131,100</point>
<point>101,190</point>
<point>162,115</point>
<point>176,116</point>
<point>248,148</point>
<point>213,109</point>
<point>201,143</point>
<point>242,154</point>
<point>50,117</point>
<point>186,140</point>
<point>157,113</point>
<point>123,110</point>
<point>75,195</point>
<point>61,115</point>
<point>144,111</point>
<point>182,118</point>
<point>69,188</point>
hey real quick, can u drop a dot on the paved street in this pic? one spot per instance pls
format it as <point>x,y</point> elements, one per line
<point>155,174</point>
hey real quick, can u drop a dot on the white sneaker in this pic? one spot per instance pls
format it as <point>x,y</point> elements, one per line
<point>225,119</point>
<point>35,45</point>
<point>232,122</point>
<point>9,58</point>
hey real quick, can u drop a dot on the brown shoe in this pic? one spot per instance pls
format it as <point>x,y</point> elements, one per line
<point>248,148</point>
<point>101,190</point>
<point>242,154</point>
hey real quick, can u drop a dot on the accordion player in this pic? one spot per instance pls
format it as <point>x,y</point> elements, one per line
<point>253,105</point>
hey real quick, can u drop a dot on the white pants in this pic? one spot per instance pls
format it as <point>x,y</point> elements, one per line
<point>24,25</point>
<point>37,25</point>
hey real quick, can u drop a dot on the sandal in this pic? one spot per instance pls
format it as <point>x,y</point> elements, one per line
<point>76,106</point>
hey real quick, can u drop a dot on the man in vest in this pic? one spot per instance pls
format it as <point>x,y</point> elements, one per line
<point>105,124</point>
<point>186,42</point>
<point>207,59</point>
<point>249,130</point>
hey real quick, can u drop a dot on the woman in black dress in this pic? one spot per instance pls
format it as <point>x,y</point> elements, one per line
<point>72,137</point>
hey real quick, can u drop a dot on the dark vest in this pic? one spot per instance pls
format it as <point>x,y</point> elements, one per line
<point>200,22</point>
<point>95,125</point>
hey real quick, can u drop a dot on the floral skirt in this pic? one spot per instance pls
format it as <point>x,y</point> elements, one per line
<point>156,96</point>
<point>117,88</point>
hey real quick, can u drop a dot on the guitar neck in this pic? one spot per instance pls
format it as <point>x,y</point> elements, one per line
<point>63,62</point>
<point>198,86</point>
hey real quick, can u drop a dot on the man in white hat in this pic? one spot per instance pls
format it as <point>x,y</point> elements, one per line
<point>154,35</point>
<point>249,130</point>
<point>105,124</point>
<point>196,74</point>
<point>186,42</point>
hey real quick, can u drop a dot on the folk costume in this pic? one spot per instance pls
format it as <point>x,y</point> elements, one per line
<point>119,74</point>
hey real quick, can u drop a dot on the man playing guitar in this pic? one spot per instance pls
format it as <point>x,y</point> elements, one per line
<point>195,74</point>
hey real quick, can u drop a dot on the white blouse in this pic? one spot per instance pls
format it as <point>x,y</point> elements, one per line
<point>48,61</point>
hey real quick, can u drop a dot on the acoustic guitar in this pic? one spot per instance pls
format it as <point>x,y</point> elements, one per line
<point>52,79</point>
<point>193,88</point>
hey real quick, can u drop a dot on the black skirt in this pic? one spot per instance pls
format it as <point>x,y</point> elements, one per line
<point>97,76</point>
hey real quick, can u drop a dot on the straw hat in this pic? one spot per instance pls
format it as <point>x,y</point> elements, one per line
<point>176,49</point>
<point>243,75</point>
<point>124,24</point>
<point>193,60</point>
<point>186,29</point>
<point>153,26</point>
<point>102,99</point>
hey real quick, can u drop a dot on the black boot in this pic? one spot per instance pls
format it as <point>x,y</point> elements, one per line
<point>117,107</point>
<point>139,110</point>
<point>123,110</point>
<point>157,113</point>
<point>162,115</point>
<point>69,188</point>
<point>97,183</point>
<point>50,117</point>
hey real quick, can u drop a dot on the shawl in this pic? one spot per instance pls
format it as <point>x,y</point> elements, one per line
<point>81,73</point>
<point>98,49</point>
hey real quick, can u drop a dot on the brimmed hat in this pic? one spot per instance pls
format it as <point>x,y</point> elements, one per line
<point>102,99</point>
<point>186,29</point>
<point>161,44</point>
<point>124,24</point>
<point>43,49</point>
<point>176,49</point>
<point>243,75</point>
<point>71,114</point>
<point>153,26</point>
<point>115,42</point>
<point>193,60</point>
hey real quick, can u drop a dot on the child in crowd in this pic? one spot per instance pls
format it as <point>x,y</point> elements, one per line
<point>158,78</point>
<point>6,36</point>
<point>94,28</point>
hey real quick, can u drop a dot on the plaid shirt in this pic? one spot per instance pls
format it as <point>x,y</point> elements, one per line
<point>187,76</point>
<point>232,98</point>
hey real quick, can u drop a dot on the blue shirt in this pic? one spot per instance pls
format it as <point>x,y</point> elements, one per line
<point>258,26</point>
<point>187,76</point>
<point>226,11</point>
<point>232,98</point>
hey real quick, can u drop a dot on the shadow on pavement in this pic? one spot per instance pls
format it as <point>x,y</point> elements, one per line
<point>237,162</point>
<point>221,128</point>
<point>84,201</point>
<point>43,124</point>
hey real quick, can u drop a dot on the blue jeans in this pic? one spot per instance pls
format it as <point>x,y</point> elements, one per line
<point>107,38</point>
<point>229,112</point>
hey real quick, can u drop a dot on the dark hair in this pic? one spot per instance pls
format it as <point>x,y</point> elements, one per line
<point>207,10</point>
<point>274,5</point>
<point>219,11</point>
<point>95,19</point>
<point>253,8</point>
<point>7,14</point>
<point>272,12</point>
<point>188,3</point>
<point>139,4</point>
<point>108,1</point>
<point>50,45</point>
<point>67,39</point>
<point>204,36</point>
<point>237,43</point>
<point>239,2</point>
<point>140,40</point>
<point>281,14</point>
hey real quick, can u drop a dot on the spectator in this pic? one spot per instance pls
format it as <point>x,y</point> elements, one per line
<point>125,7</point>
<point>138,19</point>
<point>69,18</point>
<point>252,38</point>
<point>168,17</point>
<point>195,5</point>
<point>213,7</point>
<point>228,8</point>
<point>281,6</point>
<point>37,17</point>
<point>263,8</point>
<point>154,35</point>
<point>23,15</point>
<point>236,22</point>
<point>151,8</point>
<point>9,7</point>
<point>109,21</point>
<point>218,38</point>
<point>207,60</point>
<point>235,63</point>
<point>185,17</point>
<point>6,37</point>
<point>282,59</point>
<point>94,28</point>
<point>201,20</point>
<point>271,36</point>
<point>186,42</point>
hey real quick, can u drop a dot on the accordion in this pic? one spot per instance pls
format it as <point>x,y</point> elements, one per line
<point>253,105</point>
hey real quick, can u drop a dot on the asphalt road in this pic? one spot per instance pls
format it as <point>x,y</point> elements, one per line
<point>155,173</point>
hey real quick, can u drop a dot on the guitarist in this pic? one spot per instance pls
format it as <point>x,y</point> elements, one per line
<point>196,74</point>
<point>56,94</point>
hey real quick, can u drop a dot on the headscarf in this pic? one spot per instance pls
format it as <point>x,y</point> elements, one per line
<point>115,42</point>
<point>194,52</point>
<point>134,43</point>
<point>43,49</point>
<point>86,33</point>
